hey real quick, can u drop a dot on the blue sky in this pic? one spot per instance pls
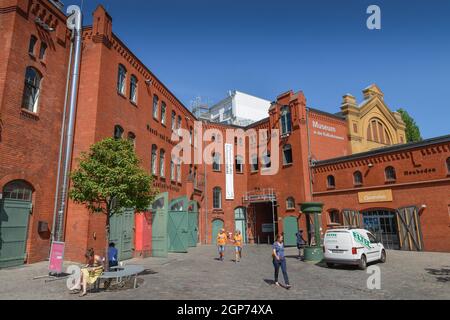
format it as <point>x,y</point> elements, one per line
<point>207,47</point>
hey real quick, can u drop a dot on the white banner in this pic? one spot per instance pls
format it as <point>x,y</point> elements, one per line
<point>229,171</point>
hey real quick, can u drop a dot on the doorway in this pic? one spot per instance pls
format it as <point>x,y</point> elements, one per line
<point>240,218</point>
<point>383,224</point>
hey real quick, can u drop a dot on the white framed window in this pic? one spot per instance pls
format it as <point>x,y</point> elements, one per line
<point>155,106</point>
<point>32,45</point>
<point>163,112</point>
<point>286,121</point>
<point>290,203</point>
<point>179,172</point>
<point>32,90</point>
<point>154,160</point>
<point>162,161</point>
<point>172,170</point>
<point>121,79</point>
<point>217,198</point>
<point>42,51</point>
<point>133,88</point>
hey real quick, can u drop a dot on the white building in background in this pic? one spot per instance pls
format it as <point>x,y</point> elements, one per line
<point>239,109</point>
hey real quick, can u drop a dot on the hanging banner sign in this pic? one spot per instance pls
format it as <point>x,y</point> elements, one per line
<point>229,171</point>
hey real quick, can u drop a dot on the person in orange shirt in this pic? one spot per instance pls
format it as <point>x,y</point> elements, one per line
<point>238,245</point>
<point>221,243</point>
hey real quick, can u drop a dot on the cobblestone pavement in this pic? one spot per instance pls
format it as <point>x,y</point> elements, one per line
<point>198,275</point>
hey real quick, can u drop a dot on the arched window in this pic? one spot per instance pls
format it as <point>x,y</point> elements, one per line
<point>163,112</point>
<point>132,138</point>
<point>162,161</point>
<point>133,88</point>
<point>290,203</point>
<point>216,161</point>
<point>42,51</point>
<point>239,164</point>
<point>331,183</point>
<point>390,174</point>
<point>191,134</point>
<point>377,132</point>
<point>32,90</point>
<point>217,198</point>
<point>179,125</point>
<point>254,163</point>
<point>172,170</point>
<point>155,106</point>
<point>118,132</point>
<point>121,79</point>
<point>357,178</point>
<point>174,115</point>
<point>32,45</point>
<point>335,217</point>
<point>287,154</point>
<point>448,165</point>
<point>154,160</point>
<point>286,121</point>
<point>179,172</point>
<point>266,161</point>
<point>18,190</point>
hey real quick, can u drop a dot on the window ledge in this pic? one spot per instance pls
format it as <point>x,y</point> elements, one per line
<point>32,56</point>
<point>121,95</point>
<point>331,188</point>
<point>134,103</point>
<point>29,114</point>
<point>358,185</point>
<point>287,165</point>
<point>391,181</point>
<point>218,211</point>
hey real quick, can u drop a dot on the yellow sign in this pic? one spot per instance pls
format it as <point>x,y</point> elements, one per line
<point>376,196</point>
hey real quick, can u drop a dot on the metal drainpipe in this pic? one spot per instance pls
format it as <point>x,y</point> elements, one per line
<point>309,155</point>
<point>74,23</point>
<point>206,191</point>
<point>61,144</point>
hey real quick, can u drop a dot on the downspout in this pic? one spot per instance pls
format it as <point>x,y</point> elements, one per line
<point>74,23</point>
<point>309,155</point>
<point>61,143</point>
<point>206,191</point>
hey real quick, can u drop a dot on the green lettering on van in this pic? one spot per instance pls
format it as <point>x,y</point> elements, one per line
<point>361,240</point>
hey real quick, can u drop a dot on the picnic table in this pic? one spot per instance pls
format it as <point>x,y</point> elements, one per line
<point>123,273</point>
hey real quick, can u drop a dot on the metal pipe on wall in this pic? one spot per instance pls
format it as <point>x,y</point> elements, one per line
<point>74,23</point>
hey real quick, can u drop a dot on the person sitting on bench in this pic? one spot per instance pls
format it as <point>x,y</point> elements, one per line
<point>92,271</point>
<point>112,255</point>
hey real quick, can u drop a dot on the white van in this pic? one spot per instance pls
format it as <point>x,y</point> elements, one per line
<point>352,247</point>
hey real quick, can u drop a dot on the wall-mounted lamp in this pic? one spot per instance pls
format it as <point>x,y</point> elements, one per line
<point>148,81</point>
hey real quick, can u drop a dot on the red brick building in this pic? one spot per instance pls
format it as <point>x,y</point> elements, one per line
<point>119,96</point>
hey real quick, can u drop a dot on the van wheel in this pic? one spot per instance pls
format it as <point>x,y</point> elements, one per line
<point>363,263</point>
<point>330,265</point>
<point>383,257</point>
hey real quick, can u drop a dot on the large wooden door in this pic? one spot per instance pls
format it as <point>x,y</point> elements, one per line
<point>15,210</point>
<point>351,218</point>
<point>193,224</point>
<point>290,229</point>
<point>160,213</point>
<point>122,233</point>
<point>178,225</point>
<point>409,229</point>
<point>240,218</point>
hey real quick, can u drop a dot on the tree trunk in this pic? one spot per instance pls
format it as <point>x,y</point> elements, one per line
<point>107,240</point>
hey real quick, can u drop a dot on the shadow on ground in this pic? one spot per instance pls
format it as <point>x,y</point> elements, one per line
<point>442,275</point>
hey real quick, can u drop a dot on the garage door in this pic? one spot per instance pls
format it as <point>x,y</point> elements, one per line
<point>122,233</point>
<point>160,209</point>
<point>178,225</point>
<point>290,227</point>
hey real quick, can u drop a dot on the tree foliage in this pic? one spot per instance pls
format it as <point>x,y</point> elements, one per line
<point>109,178</point>
<point>412,129</point>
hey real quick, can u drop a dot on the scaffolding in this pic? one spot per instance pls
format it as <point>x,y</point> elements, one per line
<point>266,195</point>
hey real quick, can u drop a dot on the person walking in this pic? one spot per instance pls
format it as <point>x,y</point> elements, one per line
<point>238,246</point>
<point>301,243</point>
<point>221,243</point>
<point>279,261</point>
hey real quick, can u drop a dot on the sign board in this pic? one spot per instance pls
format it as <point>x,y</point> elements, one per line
<point>267,228</point>
<point>57,257</point>
<point>229,171</point>
<point>376,196</point>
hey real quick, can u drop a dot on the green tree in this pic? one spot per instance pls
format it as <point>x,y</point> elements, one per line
<point>412,129</point>
<point>109,178</point>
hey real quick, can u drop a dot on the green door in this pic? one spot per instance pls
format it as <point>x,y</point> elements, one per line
<point>122,233</point>
<point>160,215</point>
<point>216,226</point>
<point>240,219</point>
<point>178,225</point>
<point>14,216</point>
<point>193,224</point>
<point>290,227</point>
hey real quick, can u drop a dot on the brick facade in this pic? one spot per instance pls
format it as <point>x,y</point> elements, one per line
<point>29,142</point>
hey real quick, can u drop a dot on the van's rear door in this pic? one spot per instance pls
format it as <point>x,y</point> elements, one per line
<point>338,244</point>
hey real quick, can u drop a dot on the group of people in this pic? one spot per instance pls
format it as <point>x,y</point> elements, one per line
<point>94,268</point>
<point>223,238</point>
<point>278,256</point>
